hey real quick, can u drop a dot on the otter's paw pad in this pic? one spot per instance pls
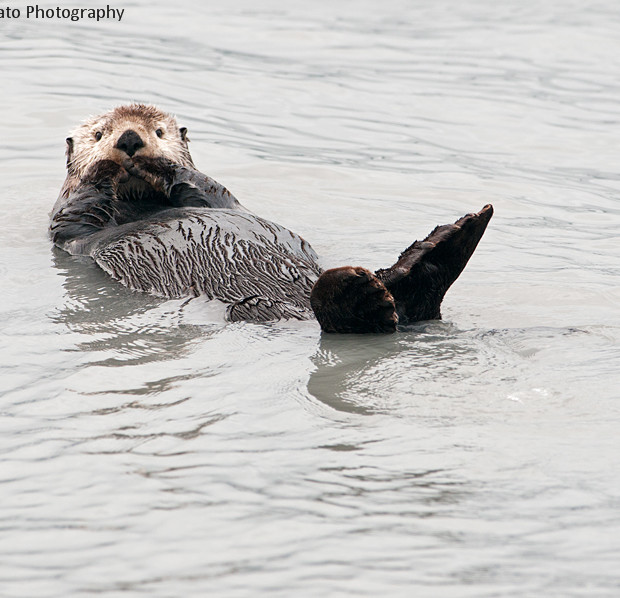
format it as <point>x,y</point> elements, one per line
<point>105,171</point>
<point>353,300</point>
<point>157,172</point>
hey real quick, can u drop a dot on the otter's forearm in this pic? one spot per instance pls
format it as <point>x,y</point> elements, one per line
<point>191,188</point>
<point>88,209</point>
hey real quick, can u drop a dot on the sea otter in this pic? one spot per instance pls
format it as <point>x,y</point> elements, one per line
<point>134,202</point>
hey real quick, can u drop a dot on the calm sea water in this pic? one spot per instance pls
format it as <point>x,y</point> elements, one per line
<point>148,448</point>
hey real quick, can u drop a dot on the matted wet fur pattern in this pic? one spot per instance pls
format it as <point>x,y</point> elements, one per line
<point>134,202</point>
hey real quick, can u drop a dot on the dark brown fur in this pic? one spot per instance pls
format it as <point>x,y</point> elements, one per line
<point>355,300</point>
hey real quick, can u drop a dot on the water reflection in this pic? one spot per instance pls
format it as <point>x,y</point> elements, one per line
<point>122,326</point>
<point>433,369</point>
<point>341,361</point>
<point>363,374</point>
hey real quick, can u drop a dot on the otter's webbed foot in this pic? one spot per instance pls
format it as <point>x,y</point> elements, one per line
<point>352,300</point>
<point>424,272</point>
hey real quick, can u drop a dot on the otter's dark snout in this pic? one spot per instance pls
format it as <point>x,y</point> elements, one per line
<point>129,142</point>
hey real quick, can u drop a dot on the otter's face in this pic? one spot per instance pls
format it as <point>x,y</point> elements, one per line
<point>125,132</point>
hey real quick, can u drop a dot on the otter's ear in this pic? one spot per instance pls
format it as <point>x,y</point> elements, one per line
<point>183,131</point>
<point>69,153</point>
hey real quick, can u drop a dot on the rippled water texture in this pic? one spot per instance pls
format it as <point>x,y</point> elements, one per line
<point>147,448</point>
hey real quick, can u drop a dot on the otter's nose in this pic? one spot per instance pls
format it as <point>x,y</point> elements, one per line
<point>129,142</point>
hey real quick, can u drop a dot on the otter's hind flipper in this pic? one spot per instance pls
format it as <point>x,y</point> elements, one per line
<point>352,300</point>
<point>424,272</point>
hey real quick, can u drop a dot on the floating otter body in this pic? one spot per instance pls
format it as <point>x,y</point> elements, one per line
<point>134,202</point>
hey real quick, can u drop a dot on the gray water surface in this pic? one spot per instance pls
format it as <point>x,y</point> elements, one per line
<point>148,448</point>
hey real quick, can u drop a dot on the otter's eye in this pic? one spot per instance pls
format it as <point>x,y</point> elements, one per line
<point>98,135</point>
<point>159,133</point>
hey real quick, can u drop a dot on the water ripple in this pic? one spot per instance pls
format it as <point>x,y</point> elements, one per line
<point>148,447</point>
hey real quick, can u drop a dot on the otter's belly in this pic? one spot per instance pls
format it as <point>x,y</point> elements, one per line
<point>228,255</point>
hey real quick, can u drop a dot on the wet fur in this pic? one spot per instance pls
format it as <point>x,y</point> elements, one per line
<point>155,223</point>
<point>83,149</point>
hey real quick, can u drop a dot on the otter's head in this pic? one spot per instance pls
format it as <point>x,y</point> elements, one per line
<point>125,132</point>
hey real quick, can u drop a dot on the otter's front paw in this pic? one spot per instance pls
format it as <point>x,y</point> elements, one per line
<point>353,300</point>
<point>157,172</point>
<point>105,171</point>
